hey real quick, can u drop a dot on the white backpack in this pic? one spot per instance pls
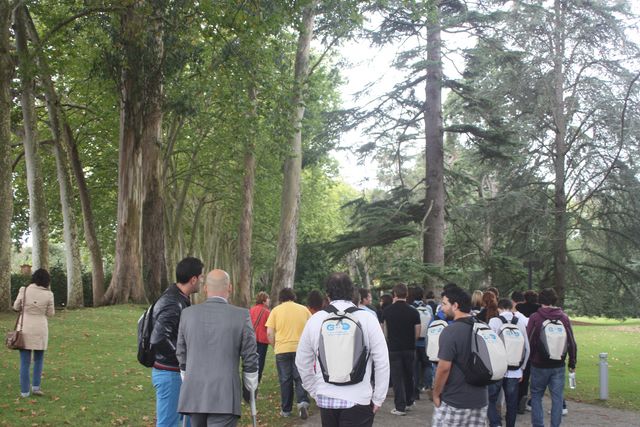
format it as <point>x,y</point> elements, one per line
<point>342,353</point>
<point>553,337</point>
<point>487,361</point>
<point>514,342</point>
<point>426,316</point>
<point>432,343</point>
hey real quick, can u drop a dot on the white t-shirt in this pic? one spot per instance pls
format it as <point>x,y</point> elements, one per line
<point>495,323</point>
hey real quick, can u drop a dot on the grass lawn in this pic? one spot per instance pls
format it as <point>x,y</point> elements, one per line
<point>91,375</point>
<point>618,339</point>
<point>92,378</point>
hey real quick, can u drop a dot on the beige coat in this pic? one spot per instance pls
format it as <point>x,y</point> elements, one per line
<point>39,306</point>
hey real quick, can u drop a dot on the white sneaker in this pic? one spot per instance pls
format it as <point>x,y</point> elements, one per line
<point>394,411</point>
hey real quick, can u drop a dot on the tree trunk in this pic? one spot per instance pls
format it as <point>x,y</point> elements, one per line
<point>38,220</point>
<point>6,191</point>
<point>285,265</point>
<point>560,197</point>
<point>154,265</point>
<point>56,119</point>
<point>433,235</point>
<point>138,165</point>
<point>246,221</point>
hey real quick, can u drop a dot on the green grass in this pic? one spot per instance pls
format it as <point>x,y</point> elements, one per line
<point>92,378</point>
<point>620,340</point>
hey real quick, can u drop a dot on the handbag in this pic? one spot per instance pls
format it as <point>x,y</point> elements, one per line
<point>14,339</point>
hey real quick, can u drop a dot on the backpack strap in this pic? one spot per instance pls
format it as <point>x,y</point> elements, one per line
<point>352,309</point>
<point>504,319</point>
<point>514,320</point>
<point>330,309</point>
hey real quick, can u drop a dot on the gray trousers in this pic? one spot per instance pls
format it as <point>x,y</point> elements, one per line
<point>214,420</point>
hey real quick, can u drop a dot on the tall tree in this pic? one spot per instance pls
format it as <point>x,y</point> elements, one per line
<point>284,269</point>
<point>140,244</point>
<point>38,221</point>
<point>6,194</point>
<point>433,235</point>
<point>57,122</point>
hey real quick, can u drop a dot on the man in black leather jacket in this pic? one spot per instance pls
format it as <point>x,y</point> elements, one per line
<point>165,374</point>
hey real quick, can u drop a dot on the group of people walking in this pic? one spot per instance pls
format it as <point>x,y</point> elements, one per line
<point>199,350</point>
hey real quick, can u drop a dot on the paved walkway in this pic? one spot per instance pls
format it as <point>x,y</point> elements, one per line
<point>580,415</point>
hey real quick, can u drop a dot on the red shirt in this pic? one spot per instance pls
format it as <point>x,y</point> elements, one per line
<point>259,314</point>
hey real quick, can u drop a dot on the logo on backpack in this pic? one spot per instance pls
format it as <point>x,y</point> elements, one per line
<point>514,342</point>
<point>487,362</point>
<point>146,355</point>
<point>553,337</point>
<point>432,344</point>
<point>342,353</point>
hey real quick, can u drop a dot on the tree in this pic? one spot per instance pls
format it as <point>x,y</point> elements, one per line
<point>139,244</point>
<point>39,224</point>
<point>286,252</point>
<point>6,196</point>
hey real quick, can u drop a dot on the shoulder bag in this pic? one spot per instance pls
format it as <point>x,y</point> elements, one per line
<point>15,339</point>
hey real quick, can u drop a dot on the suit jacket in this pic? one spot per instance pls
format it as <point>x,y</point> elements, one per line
<point>212,338</point>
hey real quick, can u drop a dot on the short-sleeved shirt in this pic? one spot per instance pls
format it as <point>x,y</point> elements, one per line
<point>401,320</point>
<point>455,346</point>
<point>287,320</point>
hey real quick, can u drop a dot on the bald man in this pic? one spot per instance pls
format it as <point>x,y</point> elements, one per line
<point>210,338</point>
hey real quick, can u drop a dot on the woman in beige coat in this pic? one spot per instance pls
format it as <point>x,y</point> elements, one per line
<point>35,329</point>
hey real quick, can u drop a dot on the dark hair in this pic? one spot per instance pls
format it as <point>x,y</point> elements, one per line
<point>547,297</point>
<point>385,301</point>
<point>494,290</point>
<point>458,295</point>
<point>430,295</point>
<point>339,287</point>
<point>400,290</point>
<point>315,300</point>
<point>505,304</point>
<point>262,297</point>
<point>416,293</point>
<point>286,294</point>
<point>531,297</point>
<point>448,286</point>
<point>517,296</point>
<point>187,268</point>
<point>363,293</point>
<point>41,277</point>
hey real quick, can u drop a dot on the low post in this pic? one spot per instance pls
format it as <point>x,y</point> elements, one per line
<point>604,376</point>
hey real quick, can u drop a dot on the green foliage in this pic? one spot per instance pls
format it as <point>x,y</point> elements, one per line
<point>58,285</point>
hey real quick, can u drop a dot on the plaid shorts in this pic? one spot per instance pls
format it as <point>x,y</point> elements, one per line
<point>448,416</point>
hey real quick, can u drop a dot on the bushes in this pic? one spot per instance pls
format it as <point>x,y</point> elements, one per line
<point>58,285</point>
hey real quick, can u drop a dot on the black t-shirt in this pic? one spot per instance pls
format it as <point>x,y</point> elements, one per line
<point>527,308</point>
<point>401,320</point>
<point>455,346</point>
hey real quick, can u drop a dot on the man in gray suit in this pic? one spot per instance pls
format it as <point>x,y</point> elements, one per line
<point>210,338</point>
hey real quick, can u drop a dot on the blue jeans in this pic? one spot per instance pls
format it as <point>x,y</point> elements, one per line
<point>510,386</point>
<point>541,378</point>
<point>288,376</point>
<point>167,385</point>
<point>262,357</point>
<point>25,367</point>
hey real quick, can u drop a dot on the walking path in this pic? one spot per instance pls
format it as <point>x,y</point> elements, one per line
<point>580,415</point>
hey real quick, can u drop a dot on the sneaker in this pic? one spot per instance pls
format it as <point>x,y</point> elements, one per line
<point>565,411</point>
<point>528,405</point>
<point>285,414</point>
<point>304,413</point>
<point>37,392</point>
<point>394,411</point>
<point>410,407</point>
<point>25,394</point>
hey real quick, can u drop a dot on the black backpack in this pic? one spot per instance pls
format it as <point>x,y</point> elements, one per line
<point>146,354</point>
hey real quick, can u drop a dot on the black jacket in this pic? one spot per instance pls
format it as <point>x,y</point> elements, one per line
<point>166,319</point>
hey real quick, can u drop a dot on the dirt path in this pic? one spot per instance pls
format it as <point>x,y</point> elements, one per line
<point>580,415</point>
